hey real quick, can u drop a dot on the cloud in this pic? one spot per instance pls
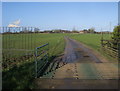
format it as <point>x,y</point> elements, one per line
<point>14,24</point>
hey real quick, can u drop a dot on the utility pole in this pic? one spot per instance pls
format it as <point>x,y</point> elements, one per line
<point>110,30</point>
<point>101,37</point>
<point>101,34</point>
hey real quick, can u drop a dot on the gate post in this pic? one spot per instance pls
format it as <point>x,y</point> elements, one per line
<point>36,63</point>
<point>118,52</point>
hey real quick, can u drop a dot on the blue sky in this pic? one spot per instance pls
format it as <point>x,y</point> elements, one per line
<point>62,15</point>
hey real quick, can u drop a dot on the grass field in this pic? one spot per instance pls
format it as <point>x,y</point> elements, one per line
<point>30,41</point>
<point>92,40</point>
<point>15,46</point>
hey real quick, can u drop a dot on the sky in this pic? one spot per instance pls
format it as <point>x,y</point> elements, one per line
<point>119,13</point>
<point>62,15</point>
<point>60,0</point>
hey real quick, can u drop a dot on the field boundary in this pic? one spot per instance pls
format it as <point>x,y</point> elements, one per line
<point>110,49</point>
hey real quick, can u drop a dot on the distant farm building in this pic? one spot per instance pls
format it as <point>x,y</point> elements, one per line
<point>83,31</point>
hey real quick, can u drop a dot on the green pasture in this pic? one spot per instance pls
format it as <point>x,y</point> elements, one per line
<point>28,42</point>
<point>92,40</point>
<point>15,46</point>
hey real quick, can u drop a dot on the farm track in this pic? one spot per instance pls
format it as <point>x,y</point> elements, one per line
<point>85,69</point>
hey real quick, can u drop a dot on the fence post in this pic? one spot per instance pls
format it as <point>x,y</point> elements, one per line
<point>48,52</point>
<point>118,52</point>
<point>48,59</point>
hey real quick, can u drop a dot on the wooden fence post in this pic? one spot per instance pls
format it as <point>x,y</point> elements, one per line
<point>118,52</point>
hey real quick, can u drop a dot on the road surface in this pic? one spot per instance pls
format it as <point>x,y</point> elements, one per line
<point>85,69</point>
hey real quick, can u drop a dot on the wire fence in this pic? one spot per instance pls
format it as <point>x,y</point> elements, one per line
<point>110,49</point>
<point>20,46</point>
<point>17,45</point>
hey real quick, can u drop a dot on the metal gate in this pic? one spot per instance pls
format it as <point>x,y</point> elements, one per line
<point>41,59</point>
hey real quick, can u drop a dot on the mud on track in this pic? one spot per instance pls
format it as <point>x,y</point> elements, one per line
<point>76,52</point>
<point>85,69</point>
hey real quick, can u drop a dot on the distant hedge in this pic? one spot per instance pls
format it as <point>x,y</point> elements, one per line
<point>116,34</point>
